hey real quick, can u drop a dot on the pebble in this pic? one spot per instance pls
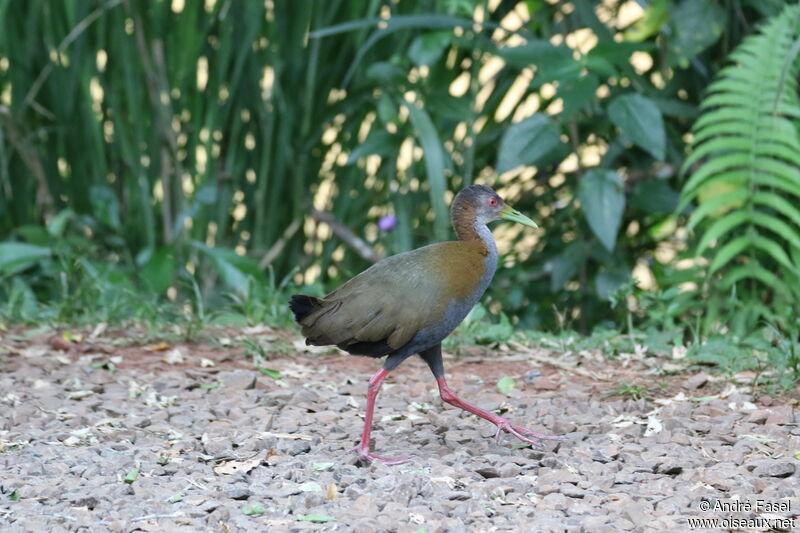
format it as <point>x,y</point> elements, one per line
<point>601,477</point>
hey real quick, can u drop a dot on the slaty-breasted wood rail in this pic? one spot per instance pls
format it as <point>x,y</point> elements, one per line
<point>408,303</point>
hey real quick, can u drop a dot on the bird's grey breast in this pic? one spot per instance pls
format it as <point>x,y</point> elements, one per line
<point>457,308</point>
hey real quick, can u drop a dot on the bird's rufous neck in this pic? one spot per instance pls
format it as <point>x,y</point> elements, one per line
<point>470,229</point>
<point>464,222</point>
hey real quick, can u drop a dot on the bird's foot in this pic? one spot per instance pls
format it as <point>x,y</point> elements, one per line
<point>365,455</point>
<point>522,433</point>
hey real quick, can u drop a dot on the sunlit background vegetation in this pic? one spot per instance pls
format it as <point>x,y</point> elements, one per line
<point>209,157</point>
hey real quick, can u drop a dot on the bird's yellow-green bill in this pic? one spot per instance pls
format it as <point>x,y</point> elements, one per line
<point>508,213</point>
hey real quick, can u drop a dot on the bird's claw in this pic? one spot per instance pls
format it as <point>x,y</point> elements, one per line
<point>520,432</point>
<point>366,456</point>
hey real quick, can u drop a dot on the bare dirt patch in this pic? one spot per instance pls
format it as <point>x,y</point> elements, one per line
<point>220,446</point>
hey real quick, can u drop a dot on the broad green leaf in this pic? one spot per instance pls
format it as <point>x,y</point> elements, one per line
<point>59,222</point>
<point>378,142</point>
<point>565,265</point>
<point>157,272</point>
<point>133,475</point>
<point>655,16</point>
<point>274,374</point>
<point>445,106</point>
<point>535,52</point>
<point>254,509</point>
<point>602,199</point>
<point>608,280</point>
<point>695,25</point>
<point>618,53</point>
<point>387,109</point>
<point>234,269</point>
<point>552,62</point>
<point>393,24</point>
<point>435,164</point>
<point>599,65</point>
<point>578,94</point>
<point>528,142</point>
<point>673,107</point>
<point>105,205</point>
<point>386,74</point>
<point>36,235</point>
<point>655,196</point>
<point>640,121</point>
<point>506,384</point>
<point>18,256</point>
<point>14,496</point>
<point>427,48</point>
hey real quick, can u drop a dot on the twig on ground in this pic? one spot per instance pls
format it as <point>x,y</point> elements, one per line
<point>156,516</point>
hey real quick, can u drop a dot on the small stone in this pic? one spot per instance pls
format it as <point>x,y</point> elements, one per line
<point>300,447</point>
<point>364,505</point>
<point>238,493</point>
<point>543,383</point>
<point>638,512</point>
<point>557,477</point>
<point>696,381</point>
<point>509,470</point>
<point>759,416</point>
<point>571,491</point>
<point>488,472</point>
<point>531,375</point>
<point>554,500</point>
<point>775,469</point>
<point>544,490</point>
<point>780,415</point>
<point>240,380</point>
<point>669,468</point>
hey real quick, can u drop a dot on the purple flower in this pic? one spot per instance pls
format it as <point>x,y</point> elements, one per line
<point>387,222</point>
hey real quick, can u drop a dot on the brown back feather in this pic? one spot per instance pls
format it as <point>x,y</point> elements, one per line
<point>397,297</point>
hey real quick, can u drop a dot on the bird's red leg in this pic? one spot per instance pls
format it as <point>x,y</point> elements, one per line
<point>522,433</point>
<point>374,387</point>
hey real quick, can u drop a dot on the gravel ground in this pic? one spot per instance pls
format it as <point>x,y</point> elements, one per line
<point>222,447</point>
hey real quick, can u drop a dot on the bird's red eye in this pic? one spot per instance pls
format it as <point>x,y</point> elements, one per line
<point>493,201</point>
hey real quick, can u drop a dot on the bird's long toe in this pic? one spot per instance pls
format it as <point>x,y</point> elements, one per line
<point>535,434</point>
<point>524,434</point>
<point>367,456</point>
<point>391,461</point>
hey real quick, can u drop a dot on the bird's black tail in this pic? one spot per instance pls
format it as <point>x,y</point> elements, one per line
<point>302,305</point>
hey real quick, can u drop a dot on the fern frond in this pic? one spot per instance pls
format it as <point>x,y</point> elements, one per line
<point>745,166</point>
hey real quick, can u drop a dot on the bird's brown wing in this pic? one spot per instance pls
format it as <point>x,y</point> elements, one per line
<point>382,308</point>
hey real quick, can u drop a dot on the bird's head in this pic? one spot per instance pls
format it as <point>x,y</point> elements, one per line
<point>482,204</point>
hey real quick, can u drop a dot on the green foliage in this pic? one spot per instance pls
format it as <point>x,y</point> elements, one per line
<point>506,384</point>
<point>630,390</point>
<point>162,164</point>
<point>478,328</point>
<point>744,175</point>
<point>180,136</point>
<point>603,200</point>
<point>640,121</point>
